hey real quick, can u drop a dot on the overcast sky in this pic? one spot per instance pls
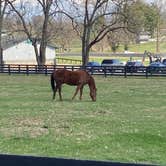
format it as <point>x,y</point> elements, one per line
<point>35,0</point>
<point>149,1</point>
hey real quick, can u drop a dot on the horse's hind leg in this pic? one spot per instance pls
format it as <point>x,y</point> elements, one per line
<point>77,89</point>
<point>60,95</point>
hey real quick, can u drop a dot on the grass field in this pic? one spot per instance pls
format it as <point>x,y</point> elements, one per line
<point>139,48</point>
<point>127,123</point>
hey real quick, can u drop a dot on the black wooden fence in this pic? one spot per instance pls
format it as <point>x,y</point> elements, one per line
<point>95,70</point>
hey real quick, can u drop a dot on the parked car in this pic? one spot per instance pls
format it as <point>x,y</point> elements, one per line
<point>156,67</point>
<point>107,64</point>
<point>93,66</point>
<point>112,62</point>
<point>164,61</point>
<point>134,66</point>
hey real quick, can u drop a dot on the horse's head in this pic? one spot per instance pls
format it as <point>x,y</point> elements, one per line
<point>93,93</point>
<point>92,87</point>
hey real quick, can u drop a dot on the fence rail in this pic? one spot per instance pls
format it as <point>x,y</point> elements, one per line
<point>68,60</point>
<point>95,70</point>
<point>127,54</point>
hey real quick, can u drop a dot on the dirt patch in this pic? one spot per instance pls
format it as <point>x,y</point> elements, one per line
<point>28,127</point>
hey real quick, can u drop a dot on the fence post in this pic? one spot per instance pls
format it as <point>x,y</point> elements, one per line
<point>19,68</point>
<point>1,59</point>
<point>9,70</point>
<point>35,69</point>
<point>45,69</point>
<point>92,68</point>
<point>105,71</point>
<point>27,69</point>
<point>146,72</point>
<point>125,71</point>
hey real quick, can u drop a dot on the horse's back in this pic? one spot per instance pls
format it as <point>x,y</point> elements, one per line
<point>76,77</point>
<point>71,77</point>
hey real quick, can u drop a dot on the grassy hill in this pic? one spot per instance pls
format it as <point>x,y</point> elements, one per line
<point>150,46</point>
<point>137,48</point>
<point>140,48</point>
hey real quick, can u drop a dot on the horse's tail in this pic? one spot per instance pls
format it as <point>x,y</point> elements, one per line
<point>52,82</point>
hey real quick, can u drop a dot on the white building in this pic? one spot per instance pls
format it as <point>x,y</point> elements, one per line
<point>23,53</point>
<point>144,37</point>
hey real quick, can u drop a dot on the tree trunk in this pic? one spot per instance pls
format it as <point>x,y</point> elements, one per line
<point>38,59</point>
<point>1,21</point>
<point>85,53</point>
<point>42,53</point>
<point>36,53</point>
<point>1,50</point>
<point>86,45</point>
<point>43,43</point>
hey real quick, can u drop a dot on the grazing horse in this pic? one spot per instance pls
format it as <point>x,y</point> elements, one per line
<point>78,78</point>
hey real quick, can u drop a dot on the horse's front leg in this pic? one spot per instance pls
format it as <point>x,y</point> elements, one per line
<point>59,90</point>
<point>81,90</point>
<point>77,89</point>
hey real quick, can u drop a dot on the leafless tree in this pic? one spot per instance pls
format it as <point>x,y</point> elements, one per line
<point>95,19</point>
<point>65,34</point>
<point>3,6</point>
<point>36,24</point>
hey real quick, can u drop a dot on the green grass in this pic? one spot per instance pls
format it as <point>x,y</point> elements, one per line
<point>149,46</point>
<point>127,123</point>
<point>139,48</point>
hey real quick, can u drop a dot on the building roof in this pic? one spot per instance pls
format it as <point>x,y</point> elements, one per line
<point>10,40</point>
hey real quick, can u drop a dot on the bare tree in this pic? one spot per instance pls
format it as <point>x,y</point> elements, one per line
<point>99,18</point>
<point>65,34</point>
<point>3,5</point>
<point>36,33</point>
<point>113,40</point>
<point>160,5</point>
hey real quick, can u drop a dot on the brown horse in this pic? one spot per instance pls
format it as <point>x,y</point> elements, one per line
<point>78,78</point>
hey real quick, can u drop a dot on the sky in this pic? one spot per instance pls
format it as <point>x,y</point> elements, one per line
<point>35,0</point>
<point>149,1</point>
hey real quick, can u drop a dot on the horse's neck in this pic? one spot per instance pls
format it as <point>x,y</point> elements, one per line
<point>91,83</point>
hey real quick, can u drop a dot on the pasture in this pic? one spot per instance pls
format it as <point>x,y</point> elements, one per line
<point>126,123</point>
<point>139,48</point>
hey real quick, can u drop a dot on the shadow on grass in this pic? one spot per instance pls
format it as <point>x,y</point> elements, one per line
<point>74,101</point>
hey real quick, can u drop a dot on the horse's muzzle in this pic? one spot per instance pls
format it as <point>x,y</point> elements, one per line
<point>93,100</point>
